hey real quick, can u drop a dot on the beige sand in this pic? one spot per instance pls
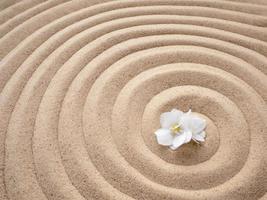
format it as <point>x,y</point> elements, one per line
<point>83,83</point>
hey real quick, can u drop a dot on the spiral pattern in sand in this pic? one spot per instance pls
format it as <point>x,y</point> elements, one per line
<point>83,83</point>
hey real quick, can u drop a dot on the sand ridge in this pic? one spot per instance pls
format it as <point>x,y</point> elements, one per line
<point>83,84</point>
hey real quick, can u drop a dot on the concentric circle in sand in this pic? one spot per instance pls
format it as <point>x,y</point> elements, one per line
<point>83,83</point>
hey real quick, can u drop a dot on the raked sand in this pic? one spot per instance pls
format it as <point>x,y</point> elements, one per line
<point>83,83</point>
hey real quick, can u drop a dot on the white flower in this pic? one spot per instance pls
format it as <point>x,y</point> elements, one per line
<point>178,128</point>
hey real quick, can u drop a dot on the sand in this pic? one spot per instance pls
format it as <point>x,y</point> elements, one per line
<point>83,84</point>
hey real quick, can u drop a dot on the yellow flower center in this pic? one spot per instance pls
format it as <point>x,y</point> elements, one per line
<point>176,128</point>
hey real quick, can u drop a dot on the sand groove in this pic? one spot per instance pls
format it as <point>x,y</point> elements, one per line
<point>83,84</point>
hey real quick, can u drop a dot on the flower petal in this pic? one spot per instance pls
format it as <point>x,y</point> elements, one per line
<point>164,137</point>
<point>189,112</point>
<point>188,136</point>
<point>178,113</point>
<point>203,134</point>
<point>185,122</point>
<point>178,141</point>
<point>192,123</point>
<point>172,147</point>
<point>197,124</point>
<point>199,137</point>
<point>167,119</point>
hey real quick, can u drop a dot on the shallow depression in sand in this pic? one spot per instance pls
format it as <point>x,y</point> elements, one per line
<point>83,84</point>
